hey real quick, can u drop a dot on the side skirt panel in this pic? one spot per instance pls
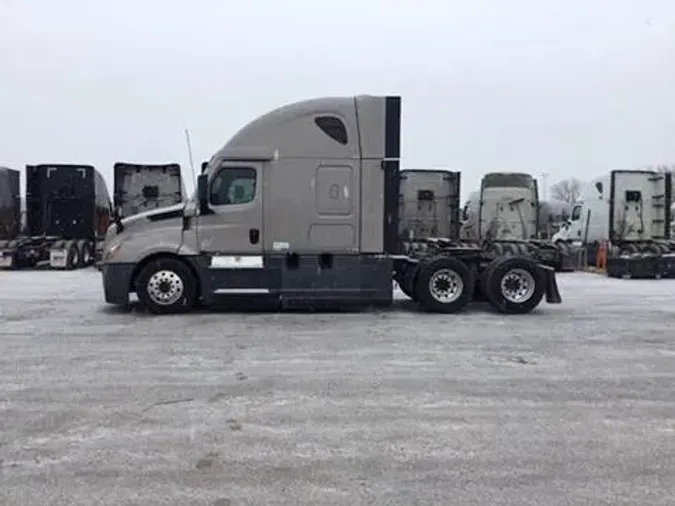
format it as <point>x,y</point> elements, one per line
<point>339,279</point>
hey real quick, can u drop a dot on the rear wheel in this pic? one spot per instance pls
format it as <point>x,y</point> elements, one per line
<point>84,248</point>
<point>444,285</point>
<point>72,255</point>
<point>167,285</point>
<point>514,285</point>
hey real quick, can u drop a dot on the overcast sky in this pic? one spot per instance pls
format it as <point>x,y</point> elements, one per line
<point>572,87</point>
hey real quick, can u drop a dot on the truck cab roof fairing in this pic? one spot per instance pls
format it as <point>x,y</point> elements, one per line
<point>325,128</point>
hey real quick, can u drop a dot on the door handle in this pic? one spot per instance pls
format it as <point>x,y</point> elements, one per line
<point>254,235</point>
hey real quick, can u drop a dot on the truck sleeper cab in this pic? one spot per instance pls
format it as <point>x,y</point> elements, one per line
<point>507,218</point>
<point>630,212</point>
<point>301,205</point>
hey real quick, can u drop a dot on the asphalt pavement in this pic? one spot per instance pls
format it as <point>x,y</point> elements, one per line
<point>571,405</point>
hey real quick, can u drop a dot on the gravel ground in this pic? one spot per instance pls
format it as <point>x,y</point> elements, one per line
<point>573,404</point>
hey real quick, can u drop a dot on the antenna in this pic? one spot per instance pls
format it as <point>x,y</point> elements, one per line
<point>192,165</point>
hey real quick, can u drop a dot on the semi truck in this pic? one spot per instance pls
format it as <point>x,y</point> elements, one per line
<point>428,206</point>
<point>141,187</point>
<point>507,218</point>
<point>301,206</point>
<point>10,205</point>
<point>68,211</point>
<point>553,216</point>
<point>627,212</point>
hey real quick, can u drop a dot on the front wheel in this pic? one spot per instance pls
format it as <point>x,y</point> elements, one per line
<point>444,285</point>
<point>514,285</point>
<point>167,286</point>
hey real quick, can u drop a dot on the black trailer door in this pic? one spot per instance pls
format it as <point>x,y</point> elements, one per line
<point>10,203</point>
<point>61,201</point>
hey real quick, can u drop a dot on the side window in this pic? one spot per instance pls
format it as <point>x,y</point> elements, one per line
<point>333,127</point>
<point>233,185</point>
<point>576,213</point>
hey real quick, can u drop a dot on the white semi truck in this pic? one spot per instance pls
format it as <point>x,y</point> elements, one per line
<point>629,212</point>
<point>507,218</point>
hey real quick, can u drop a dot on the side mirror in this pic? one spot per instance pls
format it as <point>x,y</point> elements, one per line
<point>203,193</point>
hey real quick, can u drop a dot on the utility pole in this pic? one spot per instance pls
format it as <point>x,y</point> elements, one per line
<point>544,180</point>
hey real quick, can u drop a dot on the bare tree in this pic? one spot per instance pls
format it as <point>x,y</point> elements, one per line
<point>662,167</point>
<point>567,190</point>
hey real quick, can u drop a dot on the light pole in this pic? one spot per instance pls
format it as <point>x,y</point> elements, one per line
<point>544,179</point>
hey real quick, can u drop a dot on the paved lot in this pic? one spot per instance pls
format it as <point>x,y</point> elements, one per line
<point>574,404</point>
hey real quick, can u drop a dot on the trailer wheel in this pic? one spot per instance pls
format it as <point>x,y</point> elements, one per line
<point>514,285</point>
<point>84,248</point>
<point>444,285</point>
<point>72,255</point>
<point>165,286</point>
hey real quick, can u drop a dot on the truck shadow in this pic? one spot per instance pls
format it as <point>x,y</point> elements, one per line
<point>267,307</point>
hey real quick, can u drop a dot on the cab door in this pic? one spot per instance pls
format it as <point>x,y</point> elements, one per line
<point>231,234</point>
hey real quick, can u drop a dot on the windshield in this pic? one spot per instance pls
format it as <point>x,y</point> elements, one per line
<point>576,213</point>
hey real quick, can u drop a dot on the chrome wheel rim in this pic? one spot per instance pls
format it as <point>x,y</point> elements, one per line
<point>446,286</point>
<point>165,288</point>
<point>517,286</point>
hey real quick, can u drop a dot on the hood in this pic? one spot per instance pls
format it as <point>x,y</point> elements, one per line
<point>165,217</point>
<point>164,213</point>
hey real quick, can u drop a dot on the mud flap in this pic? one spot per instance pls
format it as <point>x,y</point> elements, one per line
<point>552,292</point>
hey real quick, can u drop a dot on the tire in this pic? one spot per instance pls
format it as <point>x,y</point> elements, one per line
<point>496,249</point>
<point>84,248</point>
<point>73,255</point>
<point>444,285</point>
<point>500,277</point>
<point>167,274</point>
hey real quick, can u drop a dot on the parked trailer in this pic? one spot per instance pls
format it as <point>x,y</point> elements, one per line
<point>628,212</point>
<point>68,210</point>
<point>142,187</point>
<point>10,204</point>
<point>505,217</point>
<point>428,207</point>
<point>301,207</point>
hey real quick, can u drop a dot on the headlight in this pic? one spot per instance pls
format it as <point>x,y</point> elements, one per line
<point>111,232</point>
<point>110,251</point>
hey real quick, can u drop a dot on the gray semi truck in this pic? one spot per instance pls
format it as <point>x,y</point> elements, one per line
<point>507,218</point>
<point>301,207</point>
<point>68,211</point>
<point>142,187</point>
